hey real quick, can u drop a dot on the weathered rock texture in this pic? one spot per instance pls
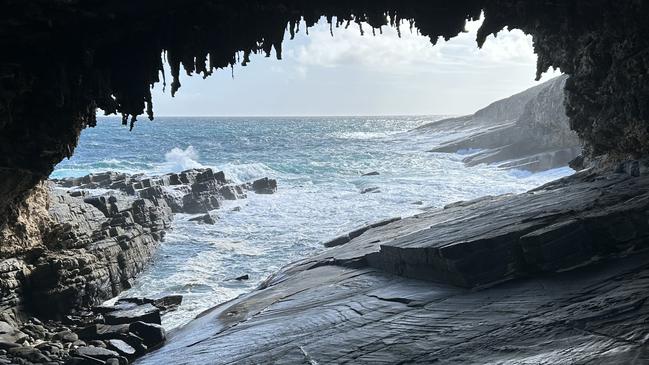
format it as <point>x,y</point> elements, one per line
<point>92,337</point>
<point>74,248</point>
<point>383,297</point>
<point>63,59</point>
<point>529,130</point>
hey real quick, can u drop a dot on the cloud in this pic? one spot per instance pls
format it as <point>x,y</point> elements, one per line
<point>412,53</point>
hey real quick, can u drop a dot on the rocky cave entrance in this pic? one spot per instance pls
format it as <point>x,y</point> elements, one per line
<point>68,59</point>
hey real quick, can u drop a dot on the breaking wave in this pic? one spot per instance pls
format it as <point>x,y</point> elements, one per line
<point>247,171</point>
<point>178,160</point>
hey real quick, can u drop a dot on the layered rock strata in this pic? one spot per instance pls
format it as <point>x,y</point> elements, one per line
<point>569,259</point>
<point>529,130</point>
<point>83,240</point>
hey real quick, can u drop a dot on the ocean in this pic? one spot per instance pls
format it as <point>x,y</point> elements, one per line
<point>318,163</point>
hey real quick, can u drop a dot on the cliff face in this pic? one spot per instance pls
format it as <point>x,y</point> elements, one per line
<point>71,249</point>
<point>529,130</point>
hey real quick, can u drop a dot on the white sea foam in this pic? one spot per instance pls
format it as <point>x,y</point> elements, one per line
<point>247,171</point>
<point>362,135</point>
<point>178,159</point>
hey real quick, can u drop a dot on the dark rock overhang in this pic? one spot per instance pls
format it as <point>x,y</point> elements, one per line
<point>61,59</point>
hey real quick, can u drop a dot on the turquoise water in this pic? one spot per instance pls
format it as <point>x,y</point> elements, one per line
<point>318,163</point>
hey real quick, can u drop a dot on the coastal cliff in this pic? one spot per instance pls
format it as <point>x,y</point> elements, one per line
<point>529,130</point>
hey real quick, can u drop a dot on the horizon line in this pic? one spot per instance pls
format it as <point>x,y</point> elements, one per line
<point>287,116</point>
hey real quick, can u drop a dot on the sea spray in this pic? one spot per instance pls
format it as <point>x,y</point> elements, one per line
<point>178,160</point>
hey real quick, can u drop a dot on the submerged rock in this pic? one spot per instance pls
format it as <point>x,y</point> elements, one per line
<point>242,277</point>
<point>373,189</point>
<point>206,218</point>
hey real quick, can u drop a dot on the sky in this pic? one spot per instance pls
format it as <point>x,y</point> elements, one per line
<point>351,74</point>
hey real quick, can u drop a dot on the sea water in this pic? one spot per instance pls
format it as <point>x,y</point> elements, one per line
<point>318,163</point>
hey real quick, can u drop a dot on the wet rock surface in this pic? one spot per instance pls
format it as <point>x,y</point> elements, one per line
<point>88,337</point>
<point>555,275</point>
<point>529,130</point>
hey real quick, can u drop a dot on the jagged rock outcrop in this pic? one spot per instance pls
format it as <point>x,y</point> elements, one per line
<point>529,130</point>
<point>577,248</point>
<point>80,241</point>
<point>74,248</point>
<point>92,254</point>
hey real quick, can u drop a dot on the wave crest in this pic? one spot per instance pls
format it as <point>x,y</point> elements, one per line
<point>248,171</point>
<point>179,160</point>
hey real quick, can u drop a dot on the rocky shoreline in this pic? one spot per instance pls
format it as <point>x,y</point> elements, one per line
<point>84,240</point>
<point>529,131</point>
<point>554,275</point>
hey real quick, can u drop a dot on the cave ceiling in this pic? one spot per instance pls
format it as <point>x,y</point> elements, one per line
<point>63,59</point>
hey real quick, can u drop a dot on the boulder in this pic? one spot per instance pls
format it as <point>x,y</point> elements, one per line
<point>199,202</point>
<point>264,186</point>
<point>4,345</point>
<point>96,353</point>
<point>65,336</point>
<point>168,303</point>
<point>146,313</point>
<point>28,353</point>
<point>152,334</point>
<point>100,331</point>
<point>121,347</point>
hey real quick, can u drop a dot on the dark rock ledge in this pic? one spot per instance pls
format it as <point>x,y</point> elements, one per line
<point>556,275</point>
<point>83,240</point>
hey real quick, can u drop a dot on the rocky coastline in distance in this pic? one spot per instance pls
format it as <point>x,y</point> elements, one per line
<point>528,131</point>
<point>83,240</point>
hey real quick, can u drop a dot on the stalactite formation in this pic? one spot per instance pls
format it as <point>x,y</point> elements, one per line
<point>62,59</point>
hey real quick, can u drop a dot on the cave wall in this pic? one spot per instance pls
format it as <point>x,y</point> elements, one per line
<point>604,47</point>
<point>62,59</point>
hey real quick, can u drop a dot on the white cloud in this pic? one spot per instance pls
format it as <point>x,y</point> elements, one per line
<point>351,74</point>
<point>412,53</point>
